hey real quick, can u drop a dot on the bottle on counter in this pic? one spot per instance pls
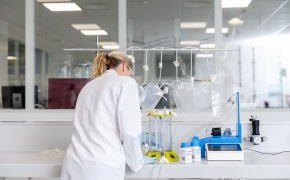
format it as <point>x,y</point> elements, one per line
<point>196,150</point>
<point>185,153</point>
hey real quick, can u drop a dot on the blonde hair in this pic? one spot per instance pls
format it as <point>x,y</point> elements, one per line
<point>105,61</point>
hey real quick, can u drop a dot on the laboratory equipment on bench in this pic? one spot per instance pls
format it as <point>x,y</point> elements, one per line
<point>160,136</point>
<point>225,152</point>
<point>227,132</point>
<point>185,153</point>
<point>214,148</point>
<point>256,137</point>
<point>195,149</point>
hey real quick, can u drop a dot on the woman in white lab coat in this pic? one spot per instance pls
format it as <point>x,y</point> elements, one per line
<point>107,123</point>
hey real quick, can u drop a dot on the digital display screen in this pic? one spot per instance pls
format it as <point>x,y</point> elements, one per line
<point>224,147</point>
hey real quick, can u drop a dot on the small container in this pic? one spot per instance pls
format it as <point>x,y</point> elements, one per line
<point>196,150</point>
<point>185,153</point>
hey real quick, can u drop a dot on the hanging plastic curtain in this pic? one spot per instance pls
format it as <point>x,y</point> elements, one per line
<point>190,95</point>
<point>222,88</point>
<point>183,96</point>
<point>221,93</point>
<point>182,92</point>
<point>151,94</point>
<point>201,92</point>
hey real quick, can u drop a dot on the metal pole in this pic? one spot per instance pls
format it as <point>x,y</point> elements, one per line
<point>29,54</point>
<point>153,49</point>
<point>122,24</point>
<point>254,74</point>
<point>17,60</point>
<point>281,89</point>
<point>218,23</point>
<point>97,44</point>
<point>177,31</point>
<point>240,68</point>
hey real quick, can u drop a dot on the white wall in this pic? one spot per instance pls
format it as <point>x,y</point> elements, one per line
<point>45,131</point>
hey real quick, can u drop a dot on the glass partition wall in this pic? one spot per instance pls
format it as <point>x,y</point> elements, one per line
<point>12,54</point>
<point>254,36</point>
<point>261,31</point>
<point>62,73</point>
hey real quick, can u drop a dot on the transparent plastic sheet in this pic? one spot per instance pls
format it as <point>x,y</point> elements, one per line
<point>150,95</point>
<point>183,96</point>
<point>215,95</point>
<point>221,91</point>
<point>202,96</point>
<point>222,100</point>
<point>191,96</point>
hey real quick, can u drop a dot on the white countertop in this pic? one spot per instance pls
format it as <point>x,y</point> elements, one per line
<point>254,166</point>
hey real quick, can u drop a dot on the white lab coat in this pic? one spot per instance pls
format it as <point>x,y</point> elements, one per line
<point>107,125</point>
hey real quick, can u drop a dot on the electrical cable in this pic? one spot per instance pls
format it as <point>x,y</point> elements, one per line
<point>267,153</point>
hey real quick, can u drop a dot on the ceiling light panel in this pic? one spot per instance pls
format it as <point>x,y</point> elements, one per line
<point>204,55</point>
<point>11,58</point>
<point>212,30</point>
<point>189,43</point>
<point>192,25</point>
<point>111,46</point>
<point>47,1</point>
<point>86,26</point>
<point>94,32</point>
<point>57,7</point>
<point>235,3</point>
<point>236,21</point>
<point>107,43</point>
<point>207,46</point>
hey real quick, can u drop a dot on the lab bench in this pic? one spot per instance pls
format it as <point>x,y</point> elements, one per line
<point>30,165</point>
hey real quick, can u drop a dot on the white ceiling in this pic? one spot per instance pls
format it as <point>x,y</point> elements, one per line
<point>152,19</point>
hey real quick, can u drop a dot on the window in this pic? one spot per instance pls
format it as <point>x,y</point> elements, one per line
<point>261,31</point>
<point>258,31</point>
<point>61,70</point>
<point>168,24</point>
<point>12,54</point>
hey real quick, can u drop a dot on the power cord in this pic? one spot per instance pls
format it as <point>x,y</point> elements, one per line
<point>267,153</point>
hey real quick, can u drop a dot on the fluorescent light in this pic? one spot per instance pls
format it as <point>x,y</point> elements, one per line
<point>62,6</point>
<point>189,43</point>
<point>207,46</point>
<point>212,30</point>
<point>235,3</point>
<point>46,1</point>
<point>204,55</point>
<point>192,25</point>
<point>102,43</point>
<point>11,57</point>
<point>111,46</point>
<point>236,21</point>
<point>98,32</point>
<point>86,26</point>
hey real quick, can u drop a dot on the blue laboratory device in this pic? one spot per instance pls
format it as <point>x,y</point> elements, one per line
<point>224,139</point>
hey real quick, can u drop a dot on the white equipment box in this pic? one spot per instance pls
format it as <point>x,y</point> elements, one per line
<point>224,152</point>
